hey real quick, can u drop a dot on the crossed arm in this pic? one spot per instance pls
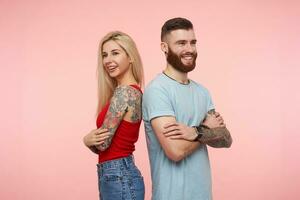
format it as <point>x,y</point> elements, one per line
<point>125,104</point>
<point>217,137</point>
<point>175,149</point>
<point>177,139</point>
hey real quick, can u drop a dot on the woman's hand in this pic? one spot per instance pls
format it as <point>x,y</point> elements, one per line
<point>96,137</point>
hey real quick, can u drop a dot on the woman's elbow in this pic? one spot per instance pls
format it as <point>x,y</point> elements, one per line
<point>101,147</point>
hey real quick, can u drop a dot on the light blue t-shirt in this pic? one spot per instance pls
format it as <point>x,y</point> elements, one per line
<point>190,178</point>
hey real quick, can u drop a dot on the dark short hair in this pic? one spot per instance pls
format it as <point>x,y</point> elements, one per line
<point>175,24</point>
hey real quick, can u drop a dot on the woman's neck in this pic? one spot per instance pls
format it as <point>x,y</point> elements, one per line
<point>127,80</point>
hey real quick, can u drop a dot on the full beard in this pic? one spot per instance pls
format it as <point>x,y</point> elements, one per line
<point>176,62</point>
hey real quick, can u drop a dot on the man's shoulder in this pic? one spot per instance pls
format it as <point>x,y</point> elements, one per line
<point>198,85</point>
<point>158,83</point>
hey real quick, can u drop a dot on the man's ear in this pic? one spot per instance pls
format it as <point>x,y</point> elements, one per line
<point>164,47</point>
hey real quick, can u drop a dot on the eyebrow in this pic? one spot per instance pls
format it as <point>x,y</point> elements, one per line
<point>112,50</point>
<point>178,41</point>
<point>116,50</point>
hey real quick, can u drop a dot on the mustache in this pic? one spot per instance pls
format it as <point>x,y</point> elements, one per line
<point>189,54</point>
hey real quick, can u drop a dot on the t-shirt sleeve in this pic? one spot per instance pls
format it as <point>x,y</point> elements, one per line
<point>156,103</point>
<point>210,104</point>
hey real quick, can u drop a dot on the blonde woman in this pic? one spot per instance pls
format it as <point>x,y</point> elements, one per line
<point>120,77</point>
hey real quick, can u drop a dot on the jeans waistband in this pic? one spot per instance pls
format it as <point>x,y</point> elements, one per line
<point>126,161</point>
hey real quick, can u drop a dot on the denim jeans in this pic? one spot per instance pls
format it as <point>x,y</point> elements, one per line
<point>120,179</point>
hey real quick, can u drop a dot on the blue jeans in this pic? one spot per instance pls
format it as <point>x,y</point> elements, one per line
<point>120,179</point>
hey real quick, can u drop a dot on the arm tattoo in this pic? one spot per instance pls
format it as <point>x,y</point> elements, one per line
<point>216,137</point>
<point>94,149</point>
<point>125,98</point>
<point>212,111</point>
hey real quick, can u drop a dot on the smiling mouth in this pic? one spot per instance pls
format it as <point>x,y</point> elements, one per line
<point>188,57</point>
<point>111,68</point>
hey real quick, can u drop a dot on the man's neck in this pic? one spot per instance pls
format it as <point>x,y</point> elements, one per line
<point>178,76</point>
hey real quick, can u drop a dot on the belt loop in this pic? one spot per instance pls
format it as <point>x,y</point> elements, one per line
<point>100,169</point>
<point>126,162</point>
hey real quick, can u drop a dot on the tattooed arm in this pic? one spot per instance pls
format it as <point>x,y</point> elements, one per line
<point>125,103</point>
<point>212,131</point>
<point>218,137</point>
<point>95,138</point>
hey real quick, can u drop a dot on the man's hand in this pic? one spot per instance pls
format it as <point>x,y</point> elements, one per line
<point>175,149</point>
<point>213,120</point>
<point>179,131</point>
<point>216,134</point>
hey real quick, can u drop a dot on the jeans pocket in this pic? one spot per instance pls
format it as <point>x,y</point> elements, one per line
<point>111,175</point>
<point>111,184</point>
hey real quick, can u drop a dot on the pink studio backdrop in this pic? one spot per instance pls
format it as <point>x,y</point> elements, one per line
<point>248,59</point>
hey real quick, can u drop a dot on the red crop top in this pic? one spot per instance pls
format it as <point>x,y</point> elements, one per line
<point>125,137</point>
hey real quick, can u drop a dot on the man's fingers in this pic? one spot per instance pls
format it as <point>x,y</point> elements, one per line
<point>217,114</point>
<point>223,125</point>
<point>170,129</point>
<point>176,137</point>
<point>218,117</point>
<point>167,125</point>
<point>221,120</point>
<point>172,133</point>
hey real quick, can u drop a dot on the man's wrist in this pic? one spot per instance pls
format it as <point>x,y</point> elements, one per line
<point>203,126</point>
<point>199,132</point>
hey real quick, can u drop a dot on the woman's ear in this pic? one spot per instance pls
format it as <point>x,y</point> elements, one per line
<point>130,60</point>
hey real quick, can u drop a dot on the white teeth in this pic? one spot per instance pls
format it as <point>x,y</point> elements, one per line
<point>111,68</point>
<point>188,57</point>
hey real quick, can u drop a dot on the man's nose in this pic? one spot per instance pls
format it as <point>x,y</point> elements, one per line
<point>189,47</point>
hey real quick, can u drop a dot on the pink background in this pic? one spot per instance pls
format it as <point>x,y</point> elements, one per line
<point>248,59</point>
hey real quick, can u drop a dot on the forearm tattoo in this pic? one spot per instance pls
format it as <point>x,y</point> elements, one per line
<point>125,98</point>
<point>212,111</point>
<point>216,137</point>
<point>94,149</point>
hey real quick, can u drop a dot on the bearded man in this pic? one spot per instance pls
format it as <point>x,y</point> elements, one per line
<point>180,121</point>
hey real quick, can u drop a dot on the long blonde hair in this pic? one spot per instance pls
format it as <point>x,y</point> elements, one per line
<point>106,84</point>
